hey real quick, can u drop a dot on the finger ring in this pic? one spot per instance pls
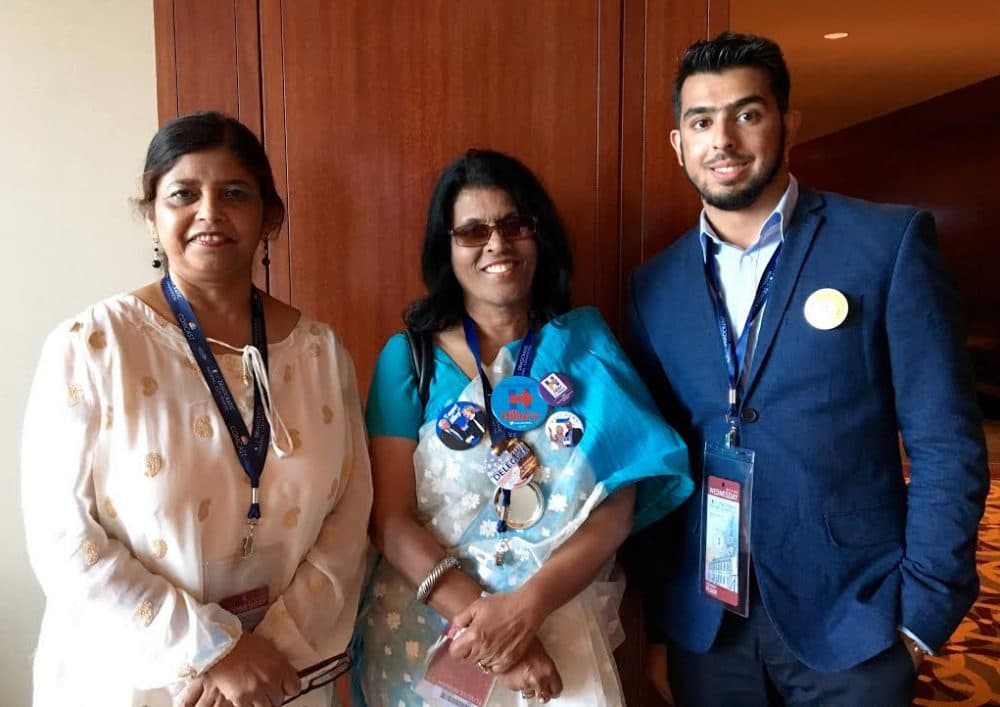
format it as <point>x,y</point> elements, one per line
<point>482,666</point>
<point>527,694</point>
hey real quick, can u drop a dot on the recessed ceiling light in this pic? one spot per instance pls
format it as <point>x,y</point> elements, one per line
<point>835,35</point>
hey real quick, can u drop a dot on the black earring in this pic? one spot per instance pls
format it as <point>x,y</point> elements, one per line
<point>266,260</point>
<point>157,260</point>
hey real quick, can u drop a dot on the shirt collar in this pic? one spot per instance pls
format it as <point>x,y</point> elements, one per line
<point>773,228</point>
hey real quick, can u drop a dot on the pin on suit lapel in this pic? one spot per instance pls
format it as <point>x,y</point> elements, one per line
<point>807,217</point>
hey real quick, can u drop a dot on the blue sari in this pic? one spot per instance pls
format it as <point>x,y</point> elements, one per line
<point>624,442</point>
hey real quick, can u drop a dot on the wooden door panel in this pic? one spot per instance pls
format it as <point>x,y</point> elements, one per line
<point>383,95</point>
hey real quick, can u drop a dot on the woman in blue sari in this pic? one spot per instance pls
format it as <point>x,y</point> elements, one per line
<point>501,499</point>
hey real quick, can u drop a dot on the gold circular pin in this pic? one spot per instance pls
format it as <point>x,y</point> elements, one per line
<point>826,309</point>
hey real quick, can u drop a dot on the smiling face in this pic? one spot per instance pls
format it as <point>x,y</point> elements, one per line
<point>209,217</point>
<point>733,140</point>
<point>499,274</point>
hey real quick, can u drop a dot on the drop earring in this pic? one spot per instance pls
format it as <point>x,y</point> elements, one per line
<point>266,260</point>
<point>157,258</point>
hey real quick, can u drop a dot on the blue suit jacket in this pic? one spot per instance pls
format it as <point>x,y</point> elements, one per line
<point>844,551</point>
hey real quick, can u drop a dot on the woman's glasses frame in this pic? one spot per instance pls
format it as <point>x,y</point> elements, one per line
<point>322,674</point>
<point>514,227</point>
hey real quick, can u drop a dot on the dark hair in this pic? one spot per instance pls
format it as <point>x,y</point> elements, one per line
<point>444,305</point>
<point>728,51</point>
<point>204,131</point>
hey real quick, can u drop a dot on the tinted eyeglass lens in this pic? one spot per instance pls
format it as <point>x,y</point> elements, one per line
<point>510,228</point>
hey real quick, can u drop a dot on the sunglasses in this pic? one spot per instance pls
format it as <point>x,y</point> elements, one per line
<point>511,228</point>
<point>321,674</point>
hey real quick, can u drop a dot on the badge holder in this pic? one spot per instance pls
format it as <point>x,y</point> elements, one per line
<point>452,683</point>
<point>240,585</point>
<point>725,526</point>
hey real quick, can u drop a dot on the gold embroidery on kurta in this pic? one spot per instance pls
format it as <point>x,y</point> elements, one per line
<point>315,330</point>
<point>203,509</point>
<point>314,350</point>
<point>327,414</point>
<point>75,393</point>
<point>154,464</point>
<point>77,326</point>
<point>149,386</point>
<point>187,671</point>
<point>144,612</point>
<point>90,553</point>
<point>159,549</point>
<point>97,339</point>
<point>109,417</point>
<point>287,375</point>
<point>292,517</point>
<point>190,365</point>
<point>160,321</point>
<point>296,438</point>
<point>203,426</point>
<point>109,509</point>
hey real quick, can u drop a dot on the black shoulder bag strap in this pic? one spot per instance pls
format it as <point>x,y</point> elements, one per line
<point>422,356</point>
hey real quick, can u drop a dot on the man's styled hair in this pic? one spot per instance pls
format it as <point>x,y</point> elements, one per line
<point>729,51</point>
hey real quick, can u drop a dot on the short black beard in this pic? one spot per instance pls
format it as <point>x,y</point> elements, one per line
<point>735,201</point>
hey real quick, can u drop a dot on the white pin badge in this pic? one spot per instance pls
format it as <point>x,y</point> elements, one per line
<point>826,308</point>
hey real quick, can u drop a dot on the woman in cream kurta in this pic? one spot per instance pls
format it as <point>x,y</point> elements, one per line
<point>132,490</point>
<point>135,501</point>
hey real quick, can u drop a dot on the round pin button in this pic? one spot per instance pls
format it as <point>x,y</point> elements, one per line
<point>461,425</point>
<point>517,405</point>
<point>556,388</point>
<point>826,308</point>
<point>564,428</point>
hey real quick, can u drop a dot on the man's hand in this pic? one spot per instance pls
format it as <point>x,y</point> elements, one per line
<point>917,654</point>
<point>656,671</point>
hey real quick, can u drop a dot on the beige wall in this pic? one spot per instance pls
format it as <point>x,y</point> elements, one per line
<point>77,108</point>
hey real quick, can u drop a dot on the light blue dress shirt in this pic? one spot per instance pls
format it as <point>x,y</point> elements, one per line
<point>740,270</point>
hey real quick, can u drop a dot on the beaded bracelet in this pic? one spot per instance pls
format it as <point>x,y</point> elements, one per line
<point>434,576</point>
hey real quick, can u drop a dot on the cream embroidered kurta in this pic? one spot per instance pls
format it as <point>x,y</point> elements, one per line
<point>135,507</point>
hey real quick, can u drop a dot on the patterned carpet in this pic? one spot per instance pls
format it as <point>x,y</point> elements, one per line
<point>967,672</point>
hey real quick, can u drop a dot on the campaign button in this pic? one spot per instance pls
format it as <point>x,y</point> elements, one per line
<point>826,309</point>
<point>564,428</point>
<point>517,405</point>
<point>461,425</point>
<point>556,388</point>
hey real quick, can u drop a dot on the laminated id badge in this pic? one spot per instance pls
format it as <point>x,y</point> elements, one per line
<point>725,525</point>
<point>452,683</point>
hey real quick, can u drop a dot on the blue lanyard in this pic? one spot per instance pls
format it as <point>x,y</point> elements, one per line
<point>523,366</point>
<point>251,448</point>
<point>498,432</point>
<point>736,351</point>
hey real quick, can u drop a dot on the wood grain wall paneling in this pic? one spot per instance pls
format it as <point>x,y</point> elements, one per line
<point>940,155</point>
<point>382,102</point>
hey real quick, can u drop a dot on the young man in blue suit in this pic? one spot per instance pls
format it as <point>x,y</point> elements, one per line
<point>810,331</point>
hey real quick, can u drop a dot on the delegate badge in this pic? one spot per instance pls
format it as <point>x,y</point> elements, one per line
<point>556,389</point>
<point>511,464</point>
<point>564,428</point>
<point>461,425</point>
<point>517,405</point>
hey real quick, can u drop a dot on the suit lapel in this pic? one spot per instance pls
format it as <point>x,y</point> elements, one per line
<point>798,240</point>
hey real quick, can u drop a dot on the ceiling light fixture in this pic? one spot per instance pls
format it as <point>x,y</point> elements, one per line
<point>835,35</point>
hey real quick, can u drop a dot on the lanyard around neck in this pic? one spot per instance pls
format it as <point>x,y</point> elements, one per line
<point>523,366</point>
<point>251,447</point>
<point>735,351</point>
